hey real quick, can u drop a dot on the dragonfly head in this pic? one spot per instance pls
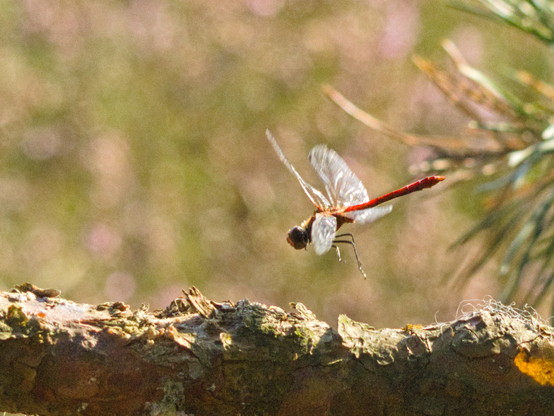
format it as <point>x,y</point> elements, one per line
<point>298,237</point>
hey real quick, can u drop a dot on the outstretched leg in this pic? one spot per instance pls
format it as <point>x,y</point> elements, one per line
<point>353,244</point>
<point>338,251</point>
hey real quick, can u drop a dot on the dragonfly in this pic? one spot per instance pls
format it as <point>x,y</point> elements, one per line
<point>345,201</point>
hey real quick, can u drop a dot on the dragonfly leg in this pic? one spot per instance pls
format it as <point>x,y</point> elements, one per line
<point>352,242</point>
<point>338,251</point>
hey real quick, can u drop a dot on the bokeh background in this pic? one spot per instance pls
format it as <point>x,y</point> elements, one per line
<point>133,161</point>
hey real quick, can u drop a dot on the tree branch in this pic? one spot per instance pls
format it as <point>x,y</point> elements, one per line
<point>207,358</point>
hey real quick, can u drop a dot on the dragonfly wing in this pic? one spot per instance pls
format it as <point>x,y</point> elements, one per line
<point>323,232</point>
<point>317,198</point>
<point>368,215</point>
<point>343,186</point>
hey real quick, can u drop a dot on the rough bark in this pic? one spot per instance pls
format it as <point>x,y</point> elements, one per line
<point>206,358</point>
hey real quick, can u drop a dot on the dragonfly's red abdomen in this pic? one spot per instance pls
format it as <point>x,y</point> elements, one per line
<point>427,182</point>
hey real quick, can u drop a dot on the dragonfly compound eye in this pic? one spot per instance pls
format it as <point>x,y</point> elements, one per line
<point>298,237</point>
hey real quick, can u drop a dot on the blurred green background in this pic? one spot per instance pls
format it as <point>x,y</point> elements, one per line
<point>133,160</point>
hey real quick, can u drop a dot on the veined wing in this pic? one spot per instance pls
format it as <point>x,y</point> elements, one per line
<point>324,228</point>
<point>368,215</point>
<point>317,198</point>
<point>342,185</point>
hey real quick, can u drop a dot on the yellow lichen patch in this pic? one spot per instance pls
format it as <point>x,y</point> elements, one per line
<point>540,368</point>
<point>226,340</point>
<point>411,327</point>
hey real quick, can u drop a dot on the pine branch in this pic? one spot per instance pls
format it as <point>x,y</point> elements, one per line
<point>535,17</point>
<point>208,358</point>
<point>510,141</point>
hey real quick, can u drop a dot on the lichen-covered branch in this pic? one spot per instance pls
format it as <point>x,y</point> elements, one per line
<point>206,358</point>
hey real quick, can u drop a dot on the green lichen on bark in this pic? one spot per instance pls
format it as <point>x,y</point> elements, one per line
<point>172,401</point>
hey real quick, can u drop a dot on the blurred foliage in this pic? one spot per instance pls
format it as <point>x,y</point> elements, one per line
<point>521,214</point>
<point>133,161</point>
<point>510,137</point>
<point>532,16</point>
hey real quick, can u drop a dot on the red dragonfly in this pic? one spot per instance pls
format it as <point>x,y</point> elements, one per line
<point>346,201</point>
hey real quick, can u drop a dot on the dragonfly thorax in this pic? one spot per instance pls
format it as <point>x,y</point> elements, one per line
<point>298,237</point>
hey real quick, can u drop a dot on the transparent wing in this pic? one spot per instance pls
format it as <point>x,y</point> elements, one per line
<point>317,198</point>
<point>343,186</point>
<point>323,232</point>
<point>368,215</point>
